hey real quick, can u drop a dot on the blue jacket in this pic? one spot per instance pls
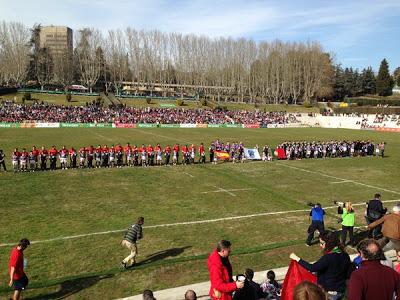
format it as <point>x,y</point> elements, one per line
<point>317,214</point>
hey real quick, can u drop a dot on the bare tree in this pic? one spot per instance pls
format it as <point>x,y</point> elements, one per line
<point>88,43</point>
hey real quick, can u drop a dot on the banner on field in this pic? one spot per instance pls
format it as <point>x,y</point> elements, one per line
<point>214,125</point>
<point>27,125</point>
<point>276,125</point>
<point>188,126</point>
<point>119,125</point>
<point>47,125</point>
<point>9,125</point>
<point>170,125</point>
<point>387,129</point>
<point>146,125</point>
<point>251,125</point>
<point>201,125</point>
<point>234,125</point>
<point>222,155</point>
<point>252,154</point>
<point>100,125</point>
<point>70,125</point>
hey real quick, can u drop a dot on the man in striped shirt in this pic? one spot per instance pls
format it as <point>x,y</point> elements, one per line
<point>132,234</point>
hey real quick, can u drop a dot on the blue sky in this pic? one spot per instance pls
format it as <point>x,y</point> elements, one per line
<point>358,33</point>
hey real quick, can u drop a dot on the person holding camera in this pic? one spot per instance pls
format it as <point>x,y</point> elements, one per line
<point>132,235</point>
<point>220,269</point>
<point>317,222</point>
<point>374,211</point>
<point>347,220</point>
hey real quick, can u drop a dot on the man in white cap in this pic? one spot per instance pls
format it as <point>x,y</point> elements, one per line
<point>390,229</point>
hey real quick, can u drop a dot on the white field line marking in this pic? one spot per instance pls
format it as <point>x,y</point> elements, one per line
<point>339,178</point>
<point>190,175</point>
<point>343,181</point>
<point>184,223</point>
<point>221,190</point>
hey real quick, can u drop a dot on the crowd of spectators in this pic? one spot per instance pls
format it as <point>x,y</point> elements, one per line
<point>40,112</point>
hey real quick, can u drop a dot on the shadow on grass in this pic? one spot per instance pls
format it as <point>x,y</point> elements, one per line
<point>71,287</point>
<point>161,255</point>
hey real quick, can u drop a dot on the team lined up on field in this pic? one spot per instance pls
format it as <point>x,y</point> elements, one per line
<point>119,156</point>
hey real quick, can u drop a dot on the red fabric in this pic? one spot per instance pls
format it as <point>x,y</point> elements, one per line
<point>167,149</point>
<point>281,153</point>
<point>53,152</point>
<point>295,275</point>
<point>35,152</point>
<point>16,261</point>
<point>219,277</point>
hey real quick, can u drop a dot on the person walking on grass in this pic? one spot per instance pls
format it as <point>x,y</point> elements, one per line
<point>132,235</point>
<point>18,279</point>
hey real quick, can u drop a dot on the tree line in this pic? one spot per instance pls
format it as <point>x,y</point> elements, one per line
<point>266,72</point>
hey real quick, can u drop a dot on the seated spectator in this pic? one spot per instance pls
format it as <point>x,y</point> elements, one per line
<point>270,287</point>
<point>332,268</point>
<point>190,295</point>
<point>373,280</point>
<point>308,291</point>
<point>397,267</point>
<point>148,295</point>
<point>249,273</point>
<point>245,293</point>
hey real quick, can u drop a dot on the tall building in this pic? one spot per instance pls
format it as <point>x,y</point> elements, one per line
<point>57,39</point>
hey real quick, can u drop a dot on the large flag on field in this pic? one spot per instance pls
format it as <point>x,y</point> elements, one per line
<point>295,275</point>
<point>251,153</point>
<point>222,155</point>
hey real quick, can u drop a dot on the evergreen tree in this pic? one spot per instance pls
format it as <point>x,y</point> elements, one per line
<point>368,81</point>
<point>339,87</point>
<point>384,82</point>
<point>396,76</point>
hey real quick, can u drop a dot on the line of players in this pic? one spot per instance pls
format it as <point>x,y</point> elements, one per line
<point>104,156</point>
<point>119,156</point>
<point>299,150</point>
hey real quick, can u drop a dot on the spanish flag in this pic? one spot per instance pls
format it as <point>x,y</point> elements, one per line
<point>222,155</point>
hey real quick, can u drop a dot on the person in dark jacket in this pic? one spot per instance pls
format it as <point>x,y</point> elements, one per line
<point>249,273</point>
<point>317,222</point>
<point>373,280</point>
<point>374,211</point>
<point>332,268</point>
<point>132,235</point>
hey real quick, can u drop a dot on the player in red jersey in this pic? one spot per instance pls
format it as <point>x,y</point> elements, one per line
<point>72,157</point>
<point>97,156</point>
<point>35,153</point>
<point>18,278</point>
<point>175,157</point>
<point>143,155</point>
<point>53,157</point>
<point>185,154</point>
<point>43,158</point>
<point>202,153</point>
<point>167,152</point>
<point>150,155</point>
<point>128,155</point>
<point>15,159</point>
<point>135,152</point>
<point>90,156</point>
<point>23,160</point>
<point>158,152</point>
<point>82,157</point>
<point>63,156</point>
<point>192,153</point>
<point>105,153</point>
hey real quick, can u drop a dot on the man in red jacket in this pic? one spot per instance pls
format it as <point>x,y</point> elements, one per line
<point>222,284</point>
<point>373,280</point>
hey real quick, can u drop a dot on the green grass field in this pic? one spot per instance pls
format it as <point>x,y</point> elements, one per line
<point>59,204</point>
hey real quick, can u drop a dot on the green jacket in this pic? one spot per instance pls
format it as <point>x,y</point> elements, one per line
<point>347,218</point>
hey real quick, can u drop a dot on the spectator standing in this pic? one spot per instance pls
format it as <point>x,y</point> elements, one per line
<point>332,268</point>
<point>390,229</point>
<point>374,212</point>
<point>373,280</point>
<point>220,269</point>
<point>132,235</point>
<point>348,219</point>
<point>18,279</point>
<point>317,222</point>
